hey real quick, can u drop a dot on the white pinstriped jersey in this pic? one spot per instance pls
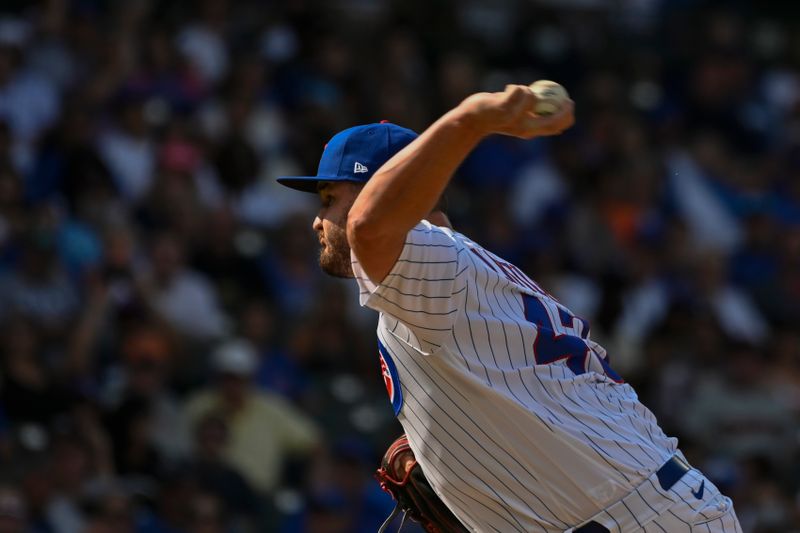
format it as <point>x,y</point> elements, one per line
<point>512,411</point>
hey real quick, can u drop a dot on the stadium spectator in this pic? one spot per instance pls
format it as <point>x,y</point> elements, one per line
<point>265,430</point>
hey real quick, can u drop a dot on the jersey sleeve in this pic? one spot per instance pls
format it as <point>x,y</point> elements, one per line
<point>418,292</point>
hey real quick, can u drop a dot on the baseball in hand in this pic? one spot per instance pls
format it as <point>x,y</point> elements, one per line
<point>550,97</point>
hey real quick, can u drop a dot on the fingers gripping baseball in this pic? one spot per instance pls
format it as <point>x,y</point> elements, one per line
<point>525,123</point>
<point>511,113</point>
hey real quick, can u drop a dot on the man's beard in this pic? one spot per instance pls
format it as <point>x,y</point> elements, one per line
<point>334,259</point>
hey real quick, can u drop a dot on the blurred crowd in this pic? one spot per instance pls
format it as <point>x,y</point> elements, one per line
<point>173,361</point>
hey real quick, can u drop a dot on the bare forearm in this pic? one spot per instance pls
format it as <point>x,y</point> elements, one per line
<point>408,186</point>
<point>405,189</point>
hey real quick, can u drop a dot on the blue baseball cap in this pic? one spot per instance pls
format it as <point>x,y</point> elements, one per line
<point>354,155</point>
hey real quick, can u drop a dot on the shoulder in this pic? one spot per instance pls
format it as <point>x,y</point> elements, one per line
<point>426,241</point>
<point>425,227</point>
<point>428,252</point>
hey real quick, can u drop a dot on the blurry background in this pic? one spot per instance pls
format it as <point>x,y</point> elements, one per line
<point>170,354</point>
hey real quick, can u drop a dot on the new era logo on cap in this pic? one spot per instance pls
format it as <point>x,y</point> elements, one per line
<point>354,155</point>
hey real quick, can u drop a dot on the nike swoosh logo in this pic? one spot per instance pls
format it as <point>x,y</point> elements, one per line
<point>699,492</point>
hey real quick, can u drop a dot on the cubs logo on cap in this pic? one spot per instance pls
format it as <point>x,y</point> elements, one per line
<point>354,155</point>
<point>390,378</point>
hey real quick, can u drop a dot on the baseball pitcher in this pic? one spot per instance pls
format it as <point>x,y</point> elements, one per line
<point>510,409</point>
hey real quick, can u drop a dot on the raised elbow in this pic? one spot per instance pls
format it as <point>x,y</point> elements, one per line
<point>360,230</point>
<point>374,243</point>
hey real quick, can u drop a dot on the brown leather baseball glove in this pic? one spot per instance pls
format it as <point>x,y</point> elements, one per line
<point>401,476</point>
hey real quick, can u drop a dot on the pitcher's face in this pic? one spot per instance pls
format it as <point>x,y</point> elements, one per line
<point>331,227</point>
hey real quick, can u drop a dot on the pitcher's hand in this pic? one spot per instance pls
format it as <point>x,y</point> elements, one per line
<point>511,113</point>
